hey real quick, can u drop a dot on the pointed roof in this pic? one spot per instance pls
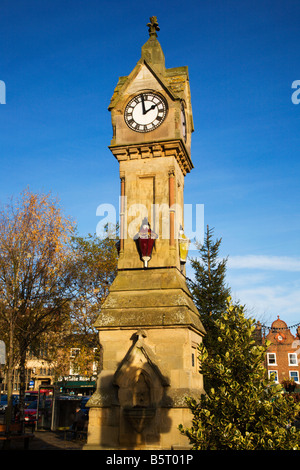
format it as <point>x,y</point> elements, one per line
<point>151,51</point>
<point>172,80</point>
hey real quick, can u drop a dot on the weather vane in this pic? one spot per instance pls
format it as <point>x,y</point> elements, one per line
<point>153,26</point>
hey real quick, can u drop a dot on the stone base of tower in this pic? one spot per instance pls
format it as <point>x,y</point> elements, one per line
<point>140,398</point>
<point>149,330</point>
<point>105,434</point>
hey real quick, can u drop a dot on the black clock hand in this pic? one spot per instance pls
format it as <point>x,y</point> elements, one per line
<point>143,105</point>
<point>151,107</point>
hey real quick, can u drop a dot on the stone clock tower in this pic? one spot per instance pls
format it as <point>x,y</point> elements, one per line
<point>149,327</point>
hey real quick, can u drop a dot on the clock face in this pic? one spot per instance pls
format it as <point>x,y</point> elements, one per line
<point>183,122</point>
<point>145,112</point>
<point>280,337</point>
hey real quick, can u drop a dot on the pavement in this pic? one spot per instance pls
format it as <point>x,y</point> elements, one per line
<point>49,440</point>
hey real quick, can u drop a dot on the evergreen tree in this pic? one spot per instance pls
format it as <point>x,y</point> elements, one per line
<point>241,409</point>
<point>209,289</point>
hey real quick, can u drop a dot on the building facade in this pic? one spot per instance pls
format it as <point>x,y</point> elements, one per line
<point>283,355</point>
<point>41,372</point>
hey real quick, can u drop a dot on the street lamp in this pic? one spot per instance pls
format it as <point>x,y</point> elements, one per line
<point>184,244</point>
<point>146,239</point>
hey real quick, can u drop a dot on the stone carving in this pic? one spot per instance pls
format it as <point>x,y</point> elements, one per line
<point>140,384</point>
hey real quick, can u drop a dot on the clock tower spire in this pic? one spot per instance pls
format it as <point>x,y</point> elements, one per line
<point>153,26</point>
<point>152,51</point>
<point>149,327</point>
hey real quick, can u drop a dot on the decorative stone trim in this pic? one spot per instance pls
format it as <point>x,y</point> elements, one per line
<point>174,148</point>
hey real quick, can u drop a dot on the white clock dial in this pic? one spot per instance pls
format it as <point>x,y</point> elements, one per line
<point>145,112</point>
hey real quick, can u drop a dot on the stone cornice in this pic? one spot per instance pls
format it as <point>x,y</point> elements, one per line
<point>171,148</point>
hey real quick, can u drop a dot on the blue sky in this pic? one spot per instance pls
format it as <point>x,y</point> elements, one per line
<point>61,60</point>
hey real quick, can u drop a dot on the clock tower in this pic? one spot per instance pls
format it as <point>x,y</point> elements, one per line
<point>149,327</point>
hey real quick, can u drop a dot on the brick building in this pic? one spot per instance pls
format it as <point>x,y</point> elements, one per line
<point>283,355</point>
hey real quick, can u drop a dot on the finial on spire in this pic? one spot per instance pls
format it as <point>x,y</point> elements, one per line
<point>153,26</point>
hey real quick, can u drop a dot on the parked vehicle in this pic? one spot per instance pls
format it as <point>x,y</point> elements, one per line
<point>4,404</point>
<point>30,413</point>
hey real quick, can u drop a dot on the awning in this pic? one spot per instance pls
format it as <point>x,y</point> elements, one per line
<point>78,384</point>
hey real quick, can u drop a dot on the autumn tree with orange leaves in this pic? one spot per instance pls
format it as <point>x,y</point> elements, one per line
<point>94,269</point>
<point>76,347</point>
<point>36,283</point>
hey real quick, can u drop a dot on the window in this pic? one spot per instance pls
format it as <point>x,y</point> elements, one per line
<point>194,359</point>
<point>74,352</point>
<point>271,359</point>
<point>293,359</point>
<point>95,362</point>
<point>294,375</point>
<point>273,375</point>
